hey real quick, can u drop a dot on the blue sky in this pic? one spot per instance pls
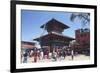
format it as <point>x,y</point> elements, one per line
<point>31,20</point>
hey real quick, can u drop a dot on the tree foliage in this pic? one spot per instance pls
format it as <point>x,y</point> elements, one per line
<point>84,17</point>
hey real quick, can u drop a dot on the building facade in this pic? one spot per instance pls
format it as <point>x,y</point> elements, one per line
<point>82,44</point>
<point>27,46</point>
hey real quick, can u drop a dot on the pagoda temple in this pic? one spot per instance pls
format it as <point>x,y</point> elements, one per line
<point>54,38</point>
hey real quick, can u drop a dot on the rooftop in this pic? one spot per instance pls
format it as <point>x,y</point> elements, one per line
<point>28,43</point>
<point>55,22</point>
<point>55,34</point>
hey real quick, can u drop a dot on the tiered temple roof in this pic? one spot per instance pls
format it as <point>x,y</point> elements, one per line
<point>54,36</point>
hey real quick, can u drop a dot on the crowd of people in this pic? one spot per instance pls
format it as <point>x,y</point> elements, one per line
<point>43,53</point>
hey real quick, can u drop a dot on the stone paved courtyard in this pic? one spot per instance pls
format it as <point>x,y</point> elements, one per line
<point>67,58</point>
